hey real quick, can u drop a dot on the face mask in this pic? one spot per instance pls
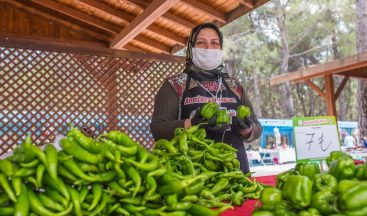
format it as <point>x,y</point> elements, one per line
<point>207,59</point>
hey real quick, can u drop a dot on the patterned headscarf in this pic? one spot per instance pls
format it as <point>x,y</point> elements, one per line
<point>193,36</point>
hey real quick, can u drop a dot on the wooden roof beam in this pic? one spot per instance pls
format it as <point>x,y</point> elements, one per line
<point>205,9</point>
<point>80,16</point>
<point>341,86</point>
<point>67,24</point>
<point>152,44</point>
<point>316,88</point>
<point>127,18</point>
<point>142,21</point>
<point>247,3</point>
<point>243,9</point>
<point>168,16</point>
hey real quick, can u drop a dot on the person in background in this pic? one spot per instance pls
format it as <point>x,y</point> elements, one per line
<point>204,80</point>
<point>365,141</point>
<point>349,141</point>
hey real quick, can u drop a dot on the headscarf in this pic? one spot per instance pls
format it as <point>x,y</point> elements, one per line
<point>193,69</point>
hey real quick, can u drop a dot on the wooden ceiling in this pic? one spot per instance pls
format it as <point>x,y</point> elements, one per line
<point>154,26</point>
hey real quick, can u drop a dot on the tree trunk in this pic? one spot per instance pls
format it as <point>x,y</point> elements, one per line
<point>342,114</point>
<point>229,65</point>
<point>361,6</point>
<point>285,88</point>
<point>257,103</point>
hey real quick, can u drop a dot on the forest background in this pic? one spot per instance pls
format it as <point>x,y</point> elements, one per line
<point>283,36</point>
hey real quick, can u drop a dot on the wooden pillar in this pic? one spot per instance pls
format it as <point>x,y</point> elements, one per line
<point>330,95</point>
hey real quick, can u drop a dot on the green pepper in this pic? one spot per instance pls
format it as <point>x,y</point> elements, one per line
<point>24,172</point>
<point>360,172</point>
<point>151,164</point>
<point>118,190</point>
<point>6,186</point>
<point>243,112</point>
<point>178,186</point>
<point>194,188</point>
<point>120,138</point>
<point>104,201</point>
<point>97,194</point>
<point>6,167</point>
<point>198,210</point>
<point>39,174</point>
<point>308,169</point>
<point>151,187</point>
<point>208,110</point>
<point>135,176</point>
<point>345,185</point>
<point>75,199</point>
<point>49,203</point>
<point>324,181</point>
<point>37,207</point>
<point>16,182</point>
<point>298,191</point>
<point>88,143</point>
<point>309,212</point>
<point>158,172</point>
<point>270,197</point>
<point>223,117</point>
<point>342,168</point>
<point>263,213</point>
<point>237,198</point>
<point>335,155</point>
<point>179,206</point>
<point>31,164</point>
<point>24,152</point>
<point>56,196</point>
<point>59,186</point>
<point>71,147</point>
<point>182,143</point>
<point>165,145</point>
<point>22,206</point>
<point>6,211</point>
<point>66,174</point>
<point>135,201</point>
<point>284,209</point>
<point>282,178</point>
<point>354,200</point>
<point>51,155</point>
<point>220,185</point>
<point>325,202</point>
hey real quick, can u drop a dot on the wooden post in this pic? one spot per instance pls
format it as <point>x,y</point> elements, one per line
<point>330,95</point>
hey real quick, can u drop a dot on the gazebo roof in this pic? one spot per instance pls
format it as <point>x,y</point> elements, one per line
<point>154,26</point>
<point>353,66</point>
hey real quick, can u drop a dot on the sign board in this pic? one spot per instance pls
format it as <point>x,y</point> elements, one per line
<point>315,137</point>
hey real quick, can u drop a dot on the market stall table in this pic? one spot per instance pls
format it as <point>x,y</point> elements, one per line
<point>277,156</point>
<point>249,205</point>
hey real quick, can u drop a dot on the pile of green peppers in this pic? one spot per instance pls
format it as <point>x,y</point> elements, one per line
<point>214,167</point>
<point>110,175</point>
<point>304,191</point>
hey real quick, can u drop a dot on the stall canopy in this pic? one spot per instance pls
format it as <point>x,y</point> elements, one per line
<point>354,66</point>
<point>153,26</point>
<point>75,61</point>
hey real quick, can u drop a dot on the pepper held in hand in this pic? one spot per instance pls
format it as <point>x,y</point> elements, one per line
<point>209,110</point>
<point>243,112</point>
<point>223,117</point>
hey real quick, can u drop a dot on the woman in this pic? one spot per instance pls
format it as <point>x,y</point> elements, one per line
<point>181,96</point>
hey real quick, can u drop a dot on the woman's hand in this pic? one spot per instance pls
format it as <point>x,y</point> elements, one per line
<point>242,126</point>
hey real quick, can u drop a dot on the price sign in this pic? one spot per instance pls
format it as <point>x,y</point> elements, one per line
<point>315,137</point>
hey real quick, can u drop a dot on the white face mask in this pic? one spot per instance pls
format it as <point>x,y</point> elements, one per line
<point>207,59</point>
